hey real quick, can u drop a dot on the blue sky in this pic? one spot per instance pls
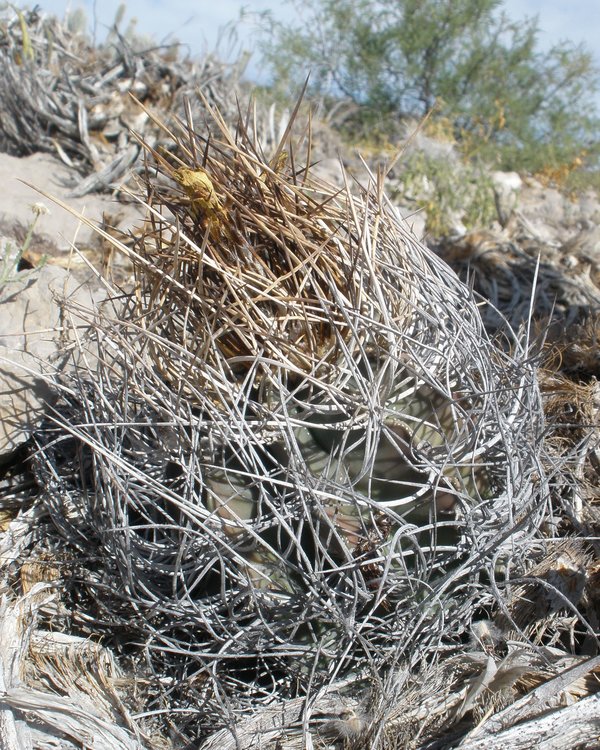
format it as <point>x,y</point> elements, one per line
<point>197,24</point>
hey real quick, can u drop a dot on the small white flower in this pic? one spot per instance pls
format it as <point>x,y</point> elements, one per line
<point>40,209</point>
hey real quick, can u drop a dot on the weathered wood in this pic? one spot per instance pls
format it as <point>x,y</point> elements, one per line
<point>575,726</point>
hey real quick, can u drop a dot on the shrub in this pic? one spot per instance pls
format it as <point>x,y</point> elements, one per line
<point>506,98</point>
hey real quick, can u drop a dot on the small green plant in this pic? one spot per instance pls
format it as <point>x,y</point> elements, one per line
<point>11,255</point>
<point>451,192</point>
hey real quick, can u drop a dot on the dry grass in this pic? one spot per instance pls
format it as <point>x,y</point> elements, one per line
<point>63,94</point>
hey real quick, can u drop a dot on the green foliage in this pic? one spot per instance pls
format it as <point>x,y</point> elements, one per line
<point>515,105</point>
<point>449,192</point>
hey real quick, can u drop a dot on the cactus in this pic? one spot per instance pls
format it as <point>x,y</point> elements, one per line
<point>303,455</point>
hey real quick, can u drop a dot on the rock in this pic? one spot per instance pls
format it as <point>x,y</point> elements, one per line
<point>553,217</point>
<point>586,244</point>
<point>53,177</point>
<point>416,140</point>
<point>507,188</point>
<point>580,257</point>
<point>31,316</point>
<point>25,392</point>
<point>36,343</point>
<point>330,170</point>
<point>589,207</point>
<point>415,220</point>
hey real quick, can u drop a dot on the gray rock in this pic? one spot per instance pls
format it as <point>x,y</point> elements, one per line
<point>329,170</point>
<point>589,207</point>
<point>586,244</point>
<point>31,312</point>
<point>553,217</point>
<point>37,341</point>
<point>416,140</point>
<point>415,220</point>
<point>507,188</point>
<point>50,175</point>
<point>25,392</point>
